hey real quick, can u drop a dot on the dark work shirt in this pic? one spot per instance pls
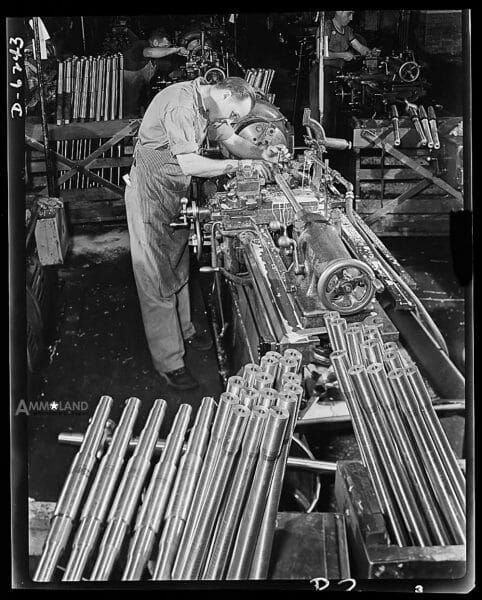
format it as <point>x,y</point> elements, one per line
<point>338,42</point>
<point>133,56</point>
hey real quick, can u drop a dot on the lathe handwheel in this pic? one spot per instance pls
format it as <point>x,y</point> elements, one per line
<point>346,286</point>
<point>409,71</point>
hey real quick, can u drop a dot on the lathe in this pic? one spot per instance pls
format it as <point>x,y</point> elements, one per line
<point>381,82</point>
<point>284,253</point>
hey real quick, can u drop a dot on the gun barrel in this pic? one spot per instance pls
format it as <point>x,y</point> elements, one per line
<point>73,489</point>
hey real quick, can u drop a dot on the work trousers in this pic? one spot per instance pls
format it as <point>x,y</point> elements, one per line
<point>166,316</point>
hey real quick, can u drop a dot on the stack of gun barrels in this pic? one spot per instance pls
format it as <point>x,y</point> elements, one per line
<point>90,88</point>
<point>205,510</point>
<point>261,79</point>
<point>424,122</point>
<point>414,471</point>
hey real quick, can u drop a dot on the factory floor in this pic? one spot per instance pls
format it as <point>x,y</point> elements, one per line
<point>97,347</point>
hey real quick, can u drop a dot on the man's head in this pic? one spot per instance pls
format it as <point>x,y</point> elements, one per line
<point>231,100</point>
<point>159,39</point>
<point>343,17</point>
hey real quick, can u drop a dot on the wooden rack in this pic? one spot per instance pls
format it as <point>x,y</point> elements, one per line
<point>91,186</point>
<point>400,190</point>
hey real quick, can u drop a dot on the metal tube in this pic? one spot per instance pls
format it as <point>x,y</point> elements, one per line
<point>373,332</point>
<point>251,519</point>
<point>99,87</point>
<point>267,397</point>
<point>60,93</point>
<point>438,434</point>
<point>337,330</point>
<point>371,351</point>
<point>262,380</point>
<point>77,89</point>
<point>235,427</point>
<point>249,371</point>
<point>392,360</point>
<point>121,85</point>
<point>93,90</point>
<point>269,364</point>
<point>72,491</point>
<point>425,126</point>
<point>234,385</point>
<point>285,365</point>
<point>390,458</point>
<point>128,493</point>
<point>441,487</point>
<point>291,378</point>
<point>108,72</point>
<point>289,401</point>
<point>95,507</point>
<point>381,385</point>
<point>354,339</point>
<point>113,94</point>
<point>413,114</point>
<point>241,480</point>
<point>85,89</point>
<point>295,355</point>
<point>273,354</point>
<point>340,364</point>
<point>433,127</point>
<point>68,91</point>
<point>226,404</point>
<point>395,124</point>
<point>249,396</point>
<point>182,492</point>
<point>154,502</point>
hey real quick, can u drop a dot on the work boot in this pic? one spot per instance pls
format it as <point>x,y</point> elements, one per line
<point>199,342</point>
<point>181,379</point>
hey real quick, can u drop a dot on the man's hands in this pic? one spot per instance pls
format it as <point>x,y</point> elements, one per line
<point>263,169</point>
<point>182,51</point>
<point>275,154</point>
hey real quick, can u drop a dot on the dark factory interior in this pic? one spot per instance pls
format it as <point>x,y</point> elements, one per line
<point>317,426</point>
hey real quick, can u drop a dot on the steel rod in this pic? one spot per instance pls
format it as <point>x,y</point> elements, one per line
<point>95,507</point>
<point>251,520</point>
<point>155,499</point>
<point>180,501</point>
<point>68,504</point>
<point>127,496</point>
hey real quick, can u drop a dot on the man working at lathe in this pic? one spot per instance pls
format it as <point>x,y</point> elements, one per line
<point>165,158</point>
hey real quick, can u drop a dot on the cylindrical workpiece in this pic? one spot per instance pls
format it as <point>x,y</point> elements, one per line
<point>337,329</point>
<point>285,365</point>
<point>390,458</point>
<point>241,482</point>
<point>328,317</point>
<point>190,565</point>
<point>267,398</point>
<point>125,501</point>
<point>291,378</point>
<point>247,534</point>
<point>262,380</point>
<point>248,396</point>
<point>371,351</point>
<point>234,385</point>
<point>269,364</point>
<point>154,502</point>
<point>436,470</point>
<point>95,507</point>
<point>186,478</point>
<point>421,487</point>
<point>294,354</point>
<point>249,371</point>
<point>72,491</point>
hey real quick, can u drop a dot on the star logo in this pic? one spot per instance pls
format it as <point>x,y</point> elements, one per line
<point>54,405</point>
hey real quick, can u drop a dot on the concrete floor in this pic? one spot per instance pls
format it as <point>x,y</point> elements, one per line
<point>98,347</point>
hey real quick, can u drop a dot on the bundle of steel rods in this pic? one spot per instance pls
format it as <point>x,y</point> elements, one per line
<point>205,509</point>
<point>414,471</point>
<point>260,78</point>
<point>90,88</point>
